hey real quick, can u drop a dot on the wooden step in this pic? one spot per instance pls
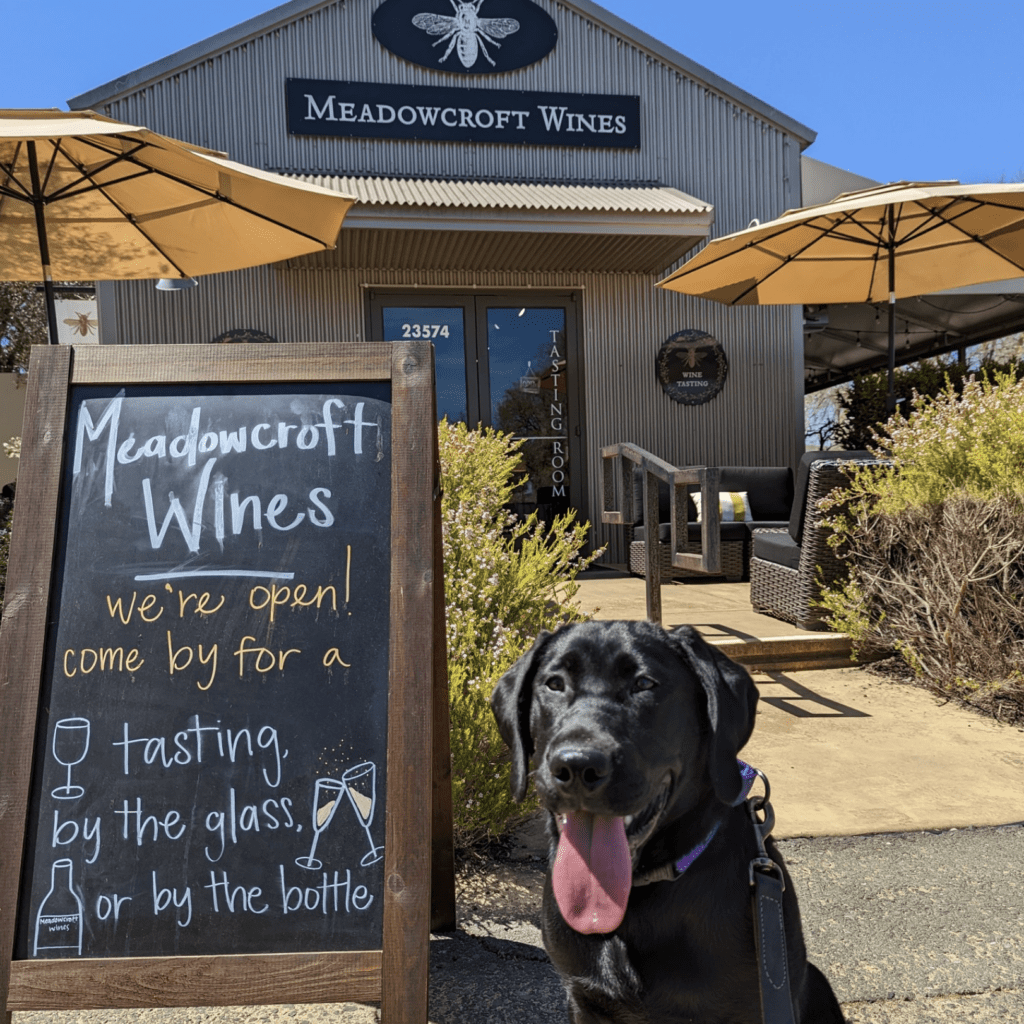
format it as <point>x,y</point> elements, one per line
<point>790,653</point>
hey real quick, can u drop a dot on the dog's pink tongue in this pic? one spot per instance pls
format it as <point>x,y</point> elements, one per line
<point>593,872</point>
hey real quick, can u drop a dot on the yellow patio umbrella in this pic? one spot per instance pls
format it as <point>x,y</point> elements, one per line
<point>875,245</point>
<point>83,197</point>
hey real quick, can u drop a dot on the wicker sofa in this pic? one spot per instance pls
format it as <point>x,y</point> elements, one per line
<point>770,492</point>
<point>790,565</point>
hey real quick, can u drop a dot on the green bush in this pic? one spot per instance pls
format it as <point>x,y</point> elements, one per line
<point>936,544</point>
<point>506,579</point>
<point>861,405</point>
<point>963,441</point>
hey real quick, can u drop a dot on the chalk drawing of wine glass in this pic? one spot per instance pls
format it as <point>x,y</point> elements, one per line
<point>361,784</point>
<point>70,745</point>
<point>326,795</point>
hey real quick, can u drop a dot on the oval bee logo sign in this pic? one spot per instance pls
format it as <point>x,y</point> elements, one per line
<point>466,37</point>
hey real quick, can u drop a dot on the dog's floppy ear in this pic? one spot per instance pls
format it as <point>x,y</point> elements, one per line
<point>732,706</point>
<point>510,703</point>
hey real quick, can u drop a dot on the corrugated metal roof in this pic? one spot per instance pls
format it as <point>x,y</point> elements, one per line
<point>484,251</point>
<point>507,195</point>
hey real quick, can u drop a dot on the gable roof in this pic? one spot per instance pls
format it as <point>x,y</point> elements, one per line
<point>294,9</point>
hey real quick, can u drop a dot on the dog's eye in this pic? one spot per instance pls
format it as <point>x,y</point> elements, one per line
<point>643,683</point>
<point>556,683</point>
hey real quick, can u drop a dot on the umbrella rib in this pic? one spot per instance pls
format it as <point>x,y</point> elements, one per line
<point>875,257</point>
<point>62,193</point>
<point>26,193</point>
<point>210,193</point>
<point>978,240</point>
<point>93,186</point>
<point>130,218</point>
<point>49,169</point>
<point>824,232</point>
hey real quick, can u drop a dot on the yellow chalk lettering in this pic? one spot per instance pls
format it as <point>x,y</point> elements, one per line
<point>146,606</point>
<point>173,656</point>
<point>333,657</point>
<point>211,656</point>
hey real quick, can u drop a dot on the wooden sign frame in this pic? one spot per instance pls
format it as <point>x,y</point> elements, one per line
<point>418,863</point>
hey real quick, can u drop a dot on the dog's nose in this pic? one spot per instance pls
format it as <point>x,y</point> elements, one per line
<point>576,767</point>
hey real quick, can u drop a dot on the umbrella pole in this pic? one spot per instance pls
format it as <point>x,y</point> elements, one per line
<point>44,249</point>
<point>890,398</point>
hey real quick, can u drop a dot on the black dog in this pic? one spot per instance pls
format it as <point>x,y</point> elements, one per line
<point>635,732</point>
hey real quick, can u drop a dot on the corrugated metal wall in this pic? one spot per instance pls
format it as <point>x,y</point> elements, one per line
<point>625,320</point>
<point>693,139</point>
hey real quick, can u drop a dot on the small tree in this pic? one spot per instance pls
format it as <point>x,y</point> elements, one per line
<point>22,324</point>
<point>506,580</point>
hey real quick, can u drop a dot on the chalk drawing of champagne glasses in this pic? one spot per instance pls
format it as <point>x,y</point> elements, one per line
<point>361,784</point>
<point>70,745</point>
<point>326,795</point>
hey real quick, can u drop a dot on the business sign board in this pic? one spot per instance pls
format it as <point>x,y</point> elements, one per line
<point>371,110</point>
<point>692,367</point>
<point>466,37</point>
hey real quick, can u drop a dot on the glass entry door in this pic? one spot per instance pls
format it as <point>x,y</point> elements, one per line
<point>527,380</point>
<point>508,362</point>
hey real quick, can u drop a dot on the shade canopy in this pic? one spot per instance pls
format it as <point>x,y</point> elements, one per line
<point>875,245</point>
<point>931,236</point>
<point>121,202</point>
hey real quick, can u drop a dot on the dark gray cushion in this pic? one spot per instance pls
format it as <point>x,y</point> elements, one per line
<point>803,476</point>
<point>777,547</point>
<point>664,532</point>
<point>769,490</point>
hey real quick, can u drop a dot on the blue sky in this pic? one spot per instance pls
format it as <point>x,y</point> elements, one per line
<point>916,90</point>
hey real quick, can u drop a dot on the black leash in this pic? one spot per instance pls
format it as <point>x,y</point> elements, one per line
<point>767,886</point>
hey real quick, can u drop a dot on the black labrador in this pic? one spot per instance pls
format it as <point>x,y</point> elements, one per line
<point>635,733</point>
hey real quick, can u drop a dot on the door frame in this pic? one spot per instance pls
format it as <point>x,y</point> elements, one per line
<point>474,302</point>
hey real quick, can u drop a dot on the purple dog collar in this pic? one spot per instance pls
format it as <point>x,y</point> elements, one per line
<point>748,775</point>
<point>670,872</point>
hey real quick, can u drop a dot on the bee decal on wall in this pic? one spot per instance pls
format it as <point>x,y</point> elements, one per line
<point>467,31</point>
<point>82,325</point>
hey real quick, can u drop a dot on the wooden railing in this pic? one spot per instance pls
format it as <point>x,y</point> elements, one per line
<point>618,461</point>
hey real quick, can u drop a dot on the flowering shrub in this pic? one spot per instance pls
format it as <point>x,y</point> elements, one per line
<point>936,544</point>
<point>860,405</point>
<point>506,579</point>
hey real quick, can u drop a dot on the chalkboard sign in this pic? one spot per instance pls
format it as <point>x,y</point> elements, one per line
<point>242,556</point>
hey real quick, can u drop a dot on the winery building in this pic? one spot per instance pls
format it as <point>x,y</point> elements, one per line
<point>525,173</point>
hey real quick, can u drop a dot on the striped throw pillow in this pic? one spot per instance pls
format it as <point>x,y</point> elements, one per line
<point>734,505</point>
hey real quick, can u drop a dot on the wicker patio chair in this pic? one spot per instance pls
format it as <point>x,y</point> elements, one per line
<point>790,566</point>
<point>769,490</point>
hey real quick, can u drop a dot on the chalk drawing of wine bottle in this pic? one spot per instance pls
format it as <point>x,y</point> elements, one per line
<point>70,745</point>
<point>361,786</point>
<point>60,916</point>
<point>326,794</point>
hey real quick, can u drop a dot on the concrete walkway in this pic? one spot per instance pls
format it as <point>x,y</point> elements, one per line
<point>846,752</point>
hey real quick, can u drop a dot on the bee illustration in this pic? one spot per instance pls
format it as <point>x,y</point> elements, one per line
<point>690,354</point>
<point>466,30</point>
<point>82,325</point>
